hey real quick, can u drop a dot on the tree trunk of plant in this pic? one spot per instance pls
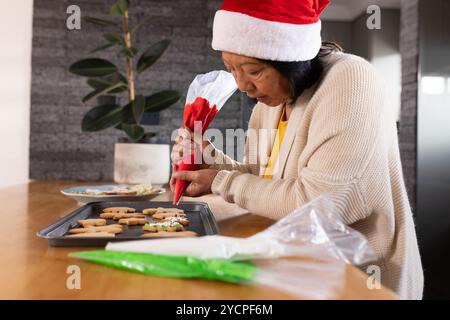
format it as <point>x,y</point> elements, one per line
<point>130,75</point>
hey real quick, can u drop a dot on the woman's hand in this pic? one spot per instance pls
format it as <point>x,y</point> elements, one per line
<point>200,181</point>
<point>187,143</point>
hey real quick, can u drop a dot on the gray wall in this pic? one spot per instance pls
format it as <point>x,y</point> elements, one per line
<point>409,48</point>
<point>339,32</point>
<point>58,148</point>
<point>361,38</point>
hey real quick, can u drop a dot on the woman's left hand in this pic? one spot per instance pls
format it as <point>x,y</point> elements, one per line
<point>200,181</point>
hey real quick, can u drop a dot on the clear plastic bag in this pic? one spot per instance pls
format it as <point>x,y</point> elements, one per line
<point>215,86</point>
<point>307,279</point>
<point>304,254</point>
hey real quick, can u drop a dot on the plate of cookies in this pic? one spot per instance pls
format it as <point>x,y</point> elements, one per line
<point>96,224</point>
<point>88,194</point>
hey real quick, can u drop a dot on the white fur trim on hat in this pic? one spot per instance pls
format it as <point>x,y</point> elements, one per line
<point>253,37</point>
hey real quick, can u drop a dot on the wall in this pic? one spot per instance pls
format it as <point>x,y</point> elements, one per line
<point>409,49</point>
<point>362,38</point>
<point>386,57</point>
<point>15,66</point>
<point>59,150</point>
<point>338,31</point>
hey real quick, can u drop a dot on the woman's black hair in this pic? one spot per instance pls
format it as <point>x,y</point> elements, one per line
<point>304,74</point>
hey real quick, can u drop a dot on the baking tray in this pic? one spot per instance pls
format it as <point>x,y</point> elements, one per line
<point>201,220</point>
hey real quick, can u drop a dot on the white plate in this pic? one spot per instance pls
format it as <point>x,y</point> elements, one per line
<point>85,198</point>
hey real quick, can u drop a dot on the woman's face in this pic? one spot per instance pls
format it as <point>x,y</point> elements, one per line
<point>258,80</point>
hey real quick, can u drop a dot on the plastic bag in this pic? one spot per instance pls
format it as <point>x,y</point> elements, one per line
<point>206,96</point>
<point>307,279</point>
<point>304,254</point>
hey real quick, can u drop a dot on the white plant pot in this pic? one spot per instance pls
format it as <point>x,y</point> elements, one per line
<point>136,163</point>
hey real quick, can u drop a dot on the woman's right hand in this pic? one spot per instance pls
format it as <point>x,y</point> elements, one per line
<point>185,144</point>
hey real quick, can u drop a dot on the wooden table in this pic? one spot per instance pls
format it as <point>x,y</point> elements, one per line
<point>32,270</point>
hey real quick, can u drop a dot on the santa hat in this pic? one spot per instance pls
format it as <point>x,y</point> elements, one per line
<point>281,30</point>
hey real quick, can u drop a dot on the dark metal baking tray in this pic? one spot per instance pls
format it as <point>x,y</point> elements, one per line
<point>201,220</point>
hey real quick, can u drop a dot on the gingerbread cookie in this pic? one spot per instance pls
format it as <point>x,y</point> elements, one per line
<point>133,221</point>
<point>119,216</point>
<point>165,234</point>
<point>119,210</point>
<point>92,235</point>
<point>113,228</point>
<point>152,211</point>
<point>165,215</point>
<point>91,222</point>
<point>122,215</point>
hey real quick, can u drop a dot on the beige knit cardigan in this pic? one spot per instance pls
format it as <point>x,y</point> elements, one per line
<point>341,139</point>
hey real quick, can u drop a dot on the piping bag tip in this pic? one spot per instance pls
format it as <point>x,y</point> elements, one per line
<point>180,188</point>
<point>176,202</point>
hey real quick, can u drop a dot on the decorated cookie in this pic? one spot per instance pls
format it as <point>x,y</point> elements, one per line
<point>163,226</point>
<point>182,220</point>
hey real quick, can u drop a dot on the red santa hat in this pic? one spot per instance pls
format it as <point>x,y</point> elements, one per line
<point>281,30</point>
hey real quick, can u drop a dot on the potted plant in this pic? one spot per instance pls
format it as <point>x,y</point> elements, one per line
<point>135,161</point>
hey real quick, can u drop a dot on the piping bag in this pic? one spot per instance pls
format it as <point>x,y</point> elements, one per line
<point>206,96</point>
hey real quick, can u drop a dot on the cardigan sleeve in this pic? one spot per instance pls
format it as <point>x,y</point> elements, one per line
<point>342,137</point>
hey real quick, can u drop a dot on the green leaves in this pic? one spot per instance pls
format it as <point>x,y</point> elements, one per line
<point>133,131</point>
<point>107,81</point>
<point>161,100</point>
<point>92,67</point>
<point>127,114</point>
<point>105,78</point>
<point>138,106</point>
<point>113,83</point>
<point>119,8</point>
<point>102,117</point>
<point>103,91</point>
<point>151,55</point>
<point>153,103</point>
<point>112,39</point>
